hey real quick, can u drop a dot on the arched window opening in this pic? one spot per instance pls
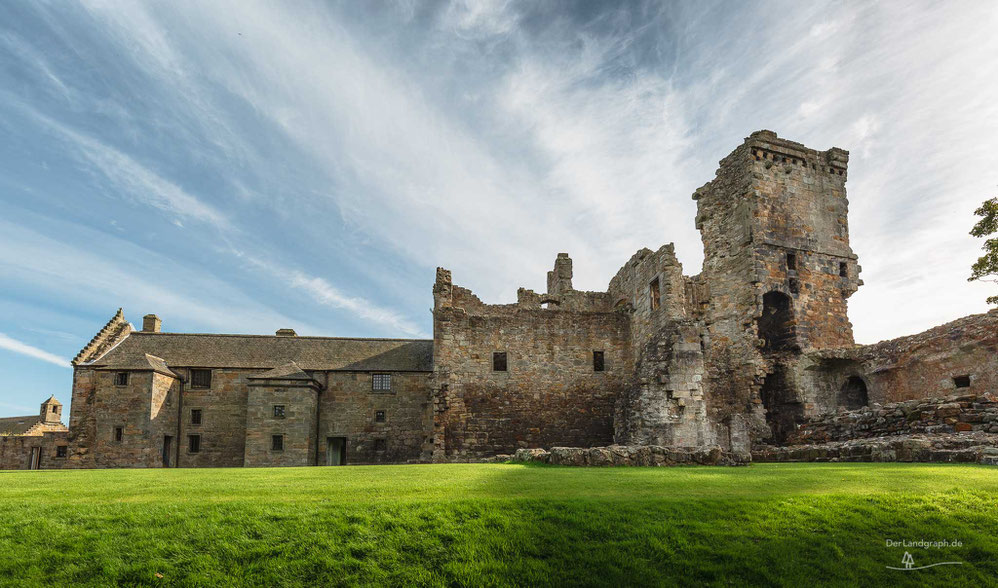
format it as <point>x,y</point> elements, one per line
<point>853,394</point>
<point>776,325</point>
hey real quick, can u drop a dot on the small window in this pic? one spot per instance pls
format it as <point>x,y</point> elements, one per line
<point>380,445</point>
<point>794,286</point>
<point>194,443</point>
<point>121,379</point>
<point>792,261</point>
<point>195,416</point>
<point>379,416</point>
<point>598,365</point>
<point>278,411</point>
<point>200,378</point>
<point>381,382</point>
<point>961,381</point>
<point>61,451</point>
<point>55,409</point>
<point>277,442</point>
<point>843,269</point>
<point>119,433</point>
<point>655,292</point>
<point>499,361</point>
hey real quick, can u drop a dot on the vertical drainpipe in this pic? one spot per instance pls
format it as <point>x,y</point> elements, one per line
<point>180,418</point>
<point>318,413</point>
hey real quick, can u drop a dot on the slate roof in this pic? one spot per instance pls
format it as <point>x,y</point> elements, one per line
<point>288,371</point>
<point>17,425</point>
<point>268,352</point>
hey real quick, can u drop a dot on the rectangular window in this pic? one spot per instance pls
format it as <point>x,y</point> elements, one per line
<point>380,445</point>
<point>598,365</point>
<point>791,261</point>
<point>381,382</point>
<point>55,409</point>
<point>195,416</point>
<point>961,381</point>
<point>119,433</point>
<point>61,451</point>
<point>655,293</point>
<point>278,411</point>
<point>200,378</point>
<point>277,442</point>
<point>193,443</point>
<point>843,269</point>
<point>121,379</point>
<point>499,361</point>
<point>379,416</point>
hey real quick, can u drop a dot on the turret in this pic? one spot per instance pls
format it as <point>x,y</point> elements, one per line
<point>51,411</point>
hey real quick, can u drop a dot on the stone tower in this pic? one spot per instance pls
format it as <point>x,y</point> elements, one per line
<point>51,411</point>
<point>779,267</point>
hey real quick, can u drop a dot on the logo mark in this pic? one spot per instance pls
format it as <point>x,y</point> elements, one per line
<point>909,562</point>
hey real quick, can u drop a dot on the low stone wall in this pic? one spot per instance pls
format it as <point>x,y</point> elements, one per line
<point>629,455</point>
<point>950,414</point>
<point>973,447</point>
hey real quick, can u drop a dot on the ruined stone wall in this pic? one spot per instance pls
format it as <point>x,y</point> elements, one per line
<point>550,393</point>
<point>296,427</point>
<point>349,408</point>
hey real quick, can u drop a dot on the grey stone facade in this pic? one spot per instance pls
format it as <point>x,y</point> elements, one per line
<point>741,353</point>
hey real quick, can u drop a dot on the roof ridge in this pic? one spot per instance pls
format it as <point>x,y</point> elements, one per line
<point>298,337</point>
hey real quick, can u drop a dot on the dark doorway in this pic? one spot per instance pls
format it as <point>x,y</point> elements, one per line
<point>36,458</point>
<point>776,325</point>
<point>853,394</point>
<point>336,451</point>
<point>167,443</point>
<point>783,411</point>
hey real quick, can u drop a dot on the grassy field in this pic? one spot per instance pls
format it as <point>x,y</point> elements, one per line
<point>783,524</point>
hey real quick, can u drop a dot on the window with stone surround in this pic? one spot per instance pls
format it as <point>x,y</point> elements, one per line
<point>499,361</point>
<point>195,416</point>
<point>379,416</point>
<point>119,433</point>
<point>278,411</point>
<point>791,261</point>
<point>655,292</point>
<point>121,379</point>
<point>598,365</point>
<point>61,451</point>
<point>380,444</point>
<point>381,382</point>
<point>200,378</point>
<point>193,443</point>
<point>961,381</point>
<point>277,442</point>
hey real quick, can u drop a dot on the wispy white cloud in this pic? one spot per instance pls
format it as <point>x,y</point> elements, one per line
<point>15,346</point>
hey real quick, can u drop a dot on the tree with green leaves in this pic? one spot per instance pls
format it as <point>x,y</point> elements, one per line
<point>987,265</point>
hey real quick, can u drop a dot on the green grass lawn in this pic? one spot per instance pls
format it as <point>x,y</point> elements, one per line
<point>499,524</point>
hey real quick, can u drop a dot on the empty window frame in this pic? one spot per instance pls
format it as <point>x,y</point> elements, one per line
<point>961,381</point>
<point>379,416</point>
<point>61,451</point>
<point>55,408</point>
<point>598,361</point>
<point>193,443</point>
<point>499,363</point>
<point>791,262</point>
<point>843,269</point>
<point>119,434</point>
<point>381,382</point>
<point>655,292</point>
<point>278,411</point>
<point>195,416</point>
<point>200,378</point>
<point>277,442</point>
<point>121,379</point>
<point>380,444</point>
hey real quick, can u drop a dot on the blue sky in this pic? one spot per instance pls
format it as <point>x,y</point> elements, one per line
<point>242,167</point>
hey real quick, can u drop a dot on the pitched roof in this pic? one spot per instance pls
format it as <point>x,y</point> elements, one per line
<point>105,339</point>
<point>288,371</point>
<point>17,425</point>
<point>268,351</point>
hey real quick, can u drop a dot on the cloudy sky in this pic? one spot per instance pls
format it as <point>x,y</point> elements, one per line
<point>242,167</point>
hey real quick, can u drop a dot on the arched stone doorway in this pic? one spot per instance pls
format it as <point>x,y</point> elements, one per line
<point>783,411</point>
<point>776,325</point>
<point>853,394</point>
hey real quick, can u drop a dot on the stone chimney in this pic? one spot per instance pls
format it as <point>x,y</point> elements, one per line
<point>151,323</point>
<point>51,411</point>
<point>286,333</point>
